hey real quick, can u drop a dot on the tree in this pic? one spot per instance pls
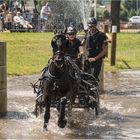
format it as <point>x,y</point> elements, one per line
<point>102,2</point>
<point>132,13</point>
<point>64,13</point>
<point>106,14</point>
<point>99,2</point>
<point>132,6</point>
<point>124,15</point>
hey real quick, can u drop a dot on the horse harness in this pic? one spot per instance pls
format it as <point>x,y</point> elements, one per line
<point>71,71</point>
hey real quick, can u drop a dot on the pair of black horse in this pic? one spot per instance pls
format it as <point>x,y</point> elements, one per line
<point>62,81</point>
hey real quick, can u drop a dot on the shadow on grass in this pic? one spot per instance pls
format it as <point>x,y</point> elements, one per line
<point>127,65</point>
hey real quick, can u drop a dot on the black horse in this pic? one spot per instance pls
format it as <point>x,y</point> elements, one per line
<point>60,81</point>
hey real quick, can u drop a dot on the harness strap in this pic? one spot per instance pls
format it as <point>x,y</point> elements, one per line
<point>47,73</point>
<point>75,68</point>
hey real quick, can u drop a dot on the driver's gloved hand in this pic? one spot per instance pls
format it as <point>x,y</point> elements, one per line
<point>80,55</point>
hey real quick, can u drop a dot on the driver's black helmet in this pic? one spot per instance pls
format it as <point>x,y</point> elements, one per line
<point>71,30</point>
<point>92,21</point>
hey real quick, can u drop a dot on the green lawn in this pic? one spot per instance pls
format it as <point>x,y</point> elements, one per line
<point>127,52</point>
<point>28,53</point>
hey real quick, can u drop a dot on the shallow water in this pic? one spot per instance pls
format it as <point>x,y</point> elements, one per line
<point>119,117</point>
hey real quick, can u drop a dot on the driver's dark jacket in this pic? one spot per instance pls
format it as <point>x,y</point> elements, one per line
<point>72,49</point>
<point>94,43</point>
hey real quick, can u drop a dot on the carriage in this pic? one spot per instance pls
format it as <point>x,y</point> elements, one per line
<point>63,84</point>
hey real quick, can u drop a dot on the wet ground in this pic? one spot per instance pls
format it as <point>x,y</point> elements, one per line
<point>119,118</point>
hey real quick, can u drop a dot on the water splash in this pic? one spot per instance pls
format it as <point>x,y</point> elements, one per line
<point>84,8</point>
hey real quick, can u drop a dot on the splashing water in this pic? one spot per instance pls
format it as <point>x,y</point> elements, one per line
<point>84,7</point>
<point>118,119</point>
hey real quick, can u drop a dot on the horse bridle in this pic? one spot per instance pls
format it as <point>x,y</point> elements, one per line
<point>57,53</point>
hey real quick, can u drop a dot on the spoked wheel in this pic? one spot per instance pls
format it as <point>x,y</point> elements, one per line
<point>92,85</point>
<point>94,95</point>
<point>97,97</point>
<point>39,103</point>
<point>69,110</point>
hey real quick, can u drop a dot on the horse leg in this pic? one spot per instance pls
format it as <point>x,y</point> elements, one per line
<point>61,120</point>
<point>70,104</point>
<point>58,106</point>
<point>47,111</point>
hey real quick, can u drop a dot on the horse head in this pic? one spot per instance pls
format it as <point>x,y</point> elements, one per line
<point>58,44</point>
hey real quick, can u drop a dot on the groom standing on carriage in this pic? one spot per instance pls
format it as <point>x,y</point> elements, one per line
<point>96,44</point>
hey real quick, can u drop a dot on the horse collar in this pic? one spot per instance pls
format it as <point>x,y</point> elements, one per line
<point>53,77</point>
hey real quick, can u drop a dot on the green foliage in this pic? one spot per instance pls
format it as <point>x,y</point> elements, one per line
<point>64,12</point>
<point>124,15</point>
<point>41,2</point>
<point>6,1</point>
<point>99,2</point>
<point>130,4</point>
<point>129,8</point>
<point>27,53</point>
<point>106,15</point>
<point>139,11</point>
<point>102,2</point>
<point>132,13</point>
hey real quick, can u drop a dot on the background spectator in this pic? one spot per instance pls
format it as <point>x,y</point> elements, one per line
<point>8,21</point>
<point>44,14</point>
<point>19,20</point>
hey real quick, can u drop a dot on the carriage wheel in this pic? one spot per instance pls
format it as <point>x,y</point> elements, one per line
<point>92,85</point>
<point>95,104</point>
<point>90,79</point>
<point>97,97</point>
<point>69,112</point>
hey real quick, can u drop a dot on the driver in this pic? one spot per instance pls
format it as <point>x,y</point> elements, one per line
<point>74,48</point>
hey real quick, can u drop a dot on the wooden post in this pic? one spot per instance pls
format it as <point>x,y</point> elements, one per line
<point>3,79</point>
<point>105,28</point>
<point>115,13</point>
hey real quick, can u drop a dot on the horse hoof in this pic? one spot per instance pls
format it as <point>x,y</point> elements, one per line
<point>45,126</point>
<point>62,124</point>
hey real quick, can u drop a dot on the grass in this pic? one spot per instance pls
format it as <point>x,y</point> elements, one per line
<point>28,53</point>
<point>127,52</point>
